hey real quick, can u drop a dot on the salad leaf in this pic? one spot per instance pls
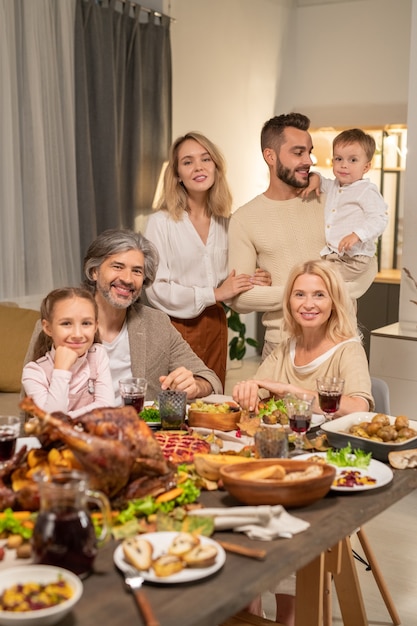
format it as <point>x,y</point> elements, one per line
<point>266,408</point>
<point>150,414</point>
<point>9,523</point>
<point>147,506</point>
<point>346,457</point>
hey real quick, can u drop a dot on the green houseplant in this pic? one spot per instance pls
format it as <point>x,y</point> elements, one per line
<point>237,345</point>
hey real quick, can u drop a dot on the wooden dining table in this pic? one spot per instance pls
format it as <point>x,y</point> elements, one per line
<point>210,601</point>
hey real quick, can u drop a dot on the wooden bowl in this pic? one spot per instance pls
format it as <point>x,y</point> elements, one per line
<point>290,494</point>
<point>216,421</point>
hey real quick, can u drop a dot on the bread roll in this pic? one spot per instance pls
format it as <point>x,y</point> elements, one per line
<point>167,564</point>
<point>277,472</point>
<point>138,552</point>
<point>201,556</point>
<point>403,459</point>
<point>313,471</point>
<point>183,543</point>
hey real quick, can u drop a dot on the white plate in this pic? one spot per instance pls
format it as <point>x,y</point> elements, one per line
<point>316,420</point>
<point>382,473</point>
<point>29,442</point>
<point>161,542</point>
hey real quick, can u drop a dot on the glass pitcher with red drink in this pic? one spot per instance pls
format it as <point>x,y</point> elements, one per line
<point>64,534</point>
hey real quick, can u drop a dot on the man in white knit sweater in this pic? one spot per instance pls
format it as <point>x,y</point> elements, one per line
<point>278,229</point>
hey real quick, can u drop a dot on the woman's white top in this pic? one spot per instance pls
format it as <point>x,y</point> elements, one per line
<point>188,270</point>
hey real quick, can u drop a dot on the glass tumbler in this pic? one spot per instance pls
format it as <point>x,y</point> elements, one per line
<point>172,407</point>
<point>271,443</point>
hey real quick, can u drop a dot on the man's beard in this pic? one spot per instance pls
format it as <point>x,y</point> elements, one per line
<point>117,304</point>
<point>284,174</point>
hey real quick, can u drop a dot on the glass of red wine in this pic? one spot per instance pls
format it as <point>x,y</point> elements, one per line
<point>299,411</point>
<point>9,432</point>
<point>330,389</point>
<point>132,391</point>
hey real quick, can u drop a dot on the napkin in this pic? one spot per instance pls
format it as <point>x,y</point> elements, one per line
<point>257,522</point>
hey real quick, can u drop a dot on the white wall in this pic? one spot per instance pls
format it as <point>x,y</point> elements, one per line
<point>227,63</point>
<point>347,63</point>
<point>408,291</point>
<point>238,62</point>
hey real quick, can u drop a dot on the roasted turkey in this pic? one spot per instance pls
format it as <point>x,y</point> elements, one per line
<point>117,450</point>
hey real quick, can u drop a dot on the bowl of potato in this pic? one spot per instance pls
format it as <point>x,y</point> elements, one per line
<point>215,415</point>
<point>372,432</point>
<point>37,595</point>
<point>289,482</point>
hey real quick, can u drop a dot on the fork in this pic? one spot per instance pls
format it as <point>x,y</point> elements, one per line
<point>134,581</point>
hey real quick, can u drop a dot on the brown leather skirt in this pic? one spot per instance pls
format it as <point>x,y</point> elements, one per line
<point>207,336</point>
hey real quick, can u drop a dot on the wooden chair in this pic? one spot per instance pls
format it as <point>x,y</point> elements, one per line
<point>346,577</point>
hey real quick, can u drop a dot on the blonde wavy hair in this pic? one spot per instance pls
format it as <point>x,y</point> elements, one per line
<point>175,196</point>
<point>341,324</point>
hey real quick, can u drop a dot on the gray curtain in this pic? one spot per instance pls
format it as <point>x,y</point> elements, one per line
<point>123,112</point>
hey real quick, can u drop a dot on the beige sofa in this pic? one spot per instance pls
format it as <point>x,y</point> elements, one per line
<point>16,328</point>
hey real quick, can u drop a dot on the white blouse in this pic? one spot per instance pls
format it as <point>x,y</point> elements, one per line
<point>188,270</point>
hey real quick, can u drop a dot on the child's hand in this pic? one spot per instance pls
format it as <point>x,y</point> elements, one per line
<point>348,242</point>
<point>313,185</point>
<point>64,358</point>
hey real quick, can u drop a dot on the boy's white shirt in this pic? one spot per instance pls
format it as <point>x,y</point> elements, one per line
<point>358,207</point>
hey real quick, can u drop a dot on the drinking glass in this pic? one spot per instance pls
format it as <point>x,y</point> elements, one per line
<point>299,413</point>
<point>271,443</point>
<point>132,391</point>
<point>172,407</point>
<point>9,432</point>
<point>330,389</point>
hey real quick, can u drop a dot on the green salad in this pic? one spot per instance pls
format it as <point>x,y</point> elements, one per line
<point>150,414</point>
<point>346,457</point>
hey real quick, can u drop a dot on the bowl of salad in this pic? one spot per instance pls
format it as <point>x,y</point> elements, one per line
<point>150,415</point>
<point>273,413</point>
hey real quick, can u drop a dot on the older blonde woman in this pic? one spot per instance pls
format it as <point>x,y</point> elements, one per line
<point>323,341</point>
<point>190,233</point>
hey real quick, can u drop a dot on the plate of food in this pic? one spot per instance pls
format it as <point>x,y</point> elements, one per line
<point>316,420</point>
<point>150,415</point>
<point>373,432</point>
<point>355,470</point>
<point>170,557</point>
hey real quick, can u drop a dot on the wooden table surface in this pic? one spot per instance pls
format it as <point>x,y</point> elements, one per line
<point>210,601</point>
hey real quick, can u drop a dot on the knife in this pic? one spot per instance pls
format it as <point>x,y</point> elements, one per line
<point>242,550</point>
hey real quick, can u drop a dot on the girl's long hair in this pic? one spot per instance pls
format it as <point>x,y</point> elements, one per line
<point>175,197</point>
<point>342,323</point>
<point>44,342</point>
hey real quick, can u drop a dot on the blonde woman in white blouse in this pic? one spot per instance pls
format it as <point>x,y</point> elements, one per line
<point>189,230</point>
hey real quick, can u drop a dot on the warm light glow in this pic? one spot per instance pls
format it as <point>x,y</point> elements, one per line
<point>160,186</point>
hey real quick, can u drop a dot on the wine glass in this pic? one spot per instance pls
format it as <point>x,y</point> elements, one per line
<point>9,432</point>
<point>299,413</point>
<point>132,391</point>
<point>330,389</point>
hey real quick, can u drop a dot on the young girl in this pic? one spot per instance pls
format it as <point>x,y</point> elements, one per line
<point>70,371</point>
